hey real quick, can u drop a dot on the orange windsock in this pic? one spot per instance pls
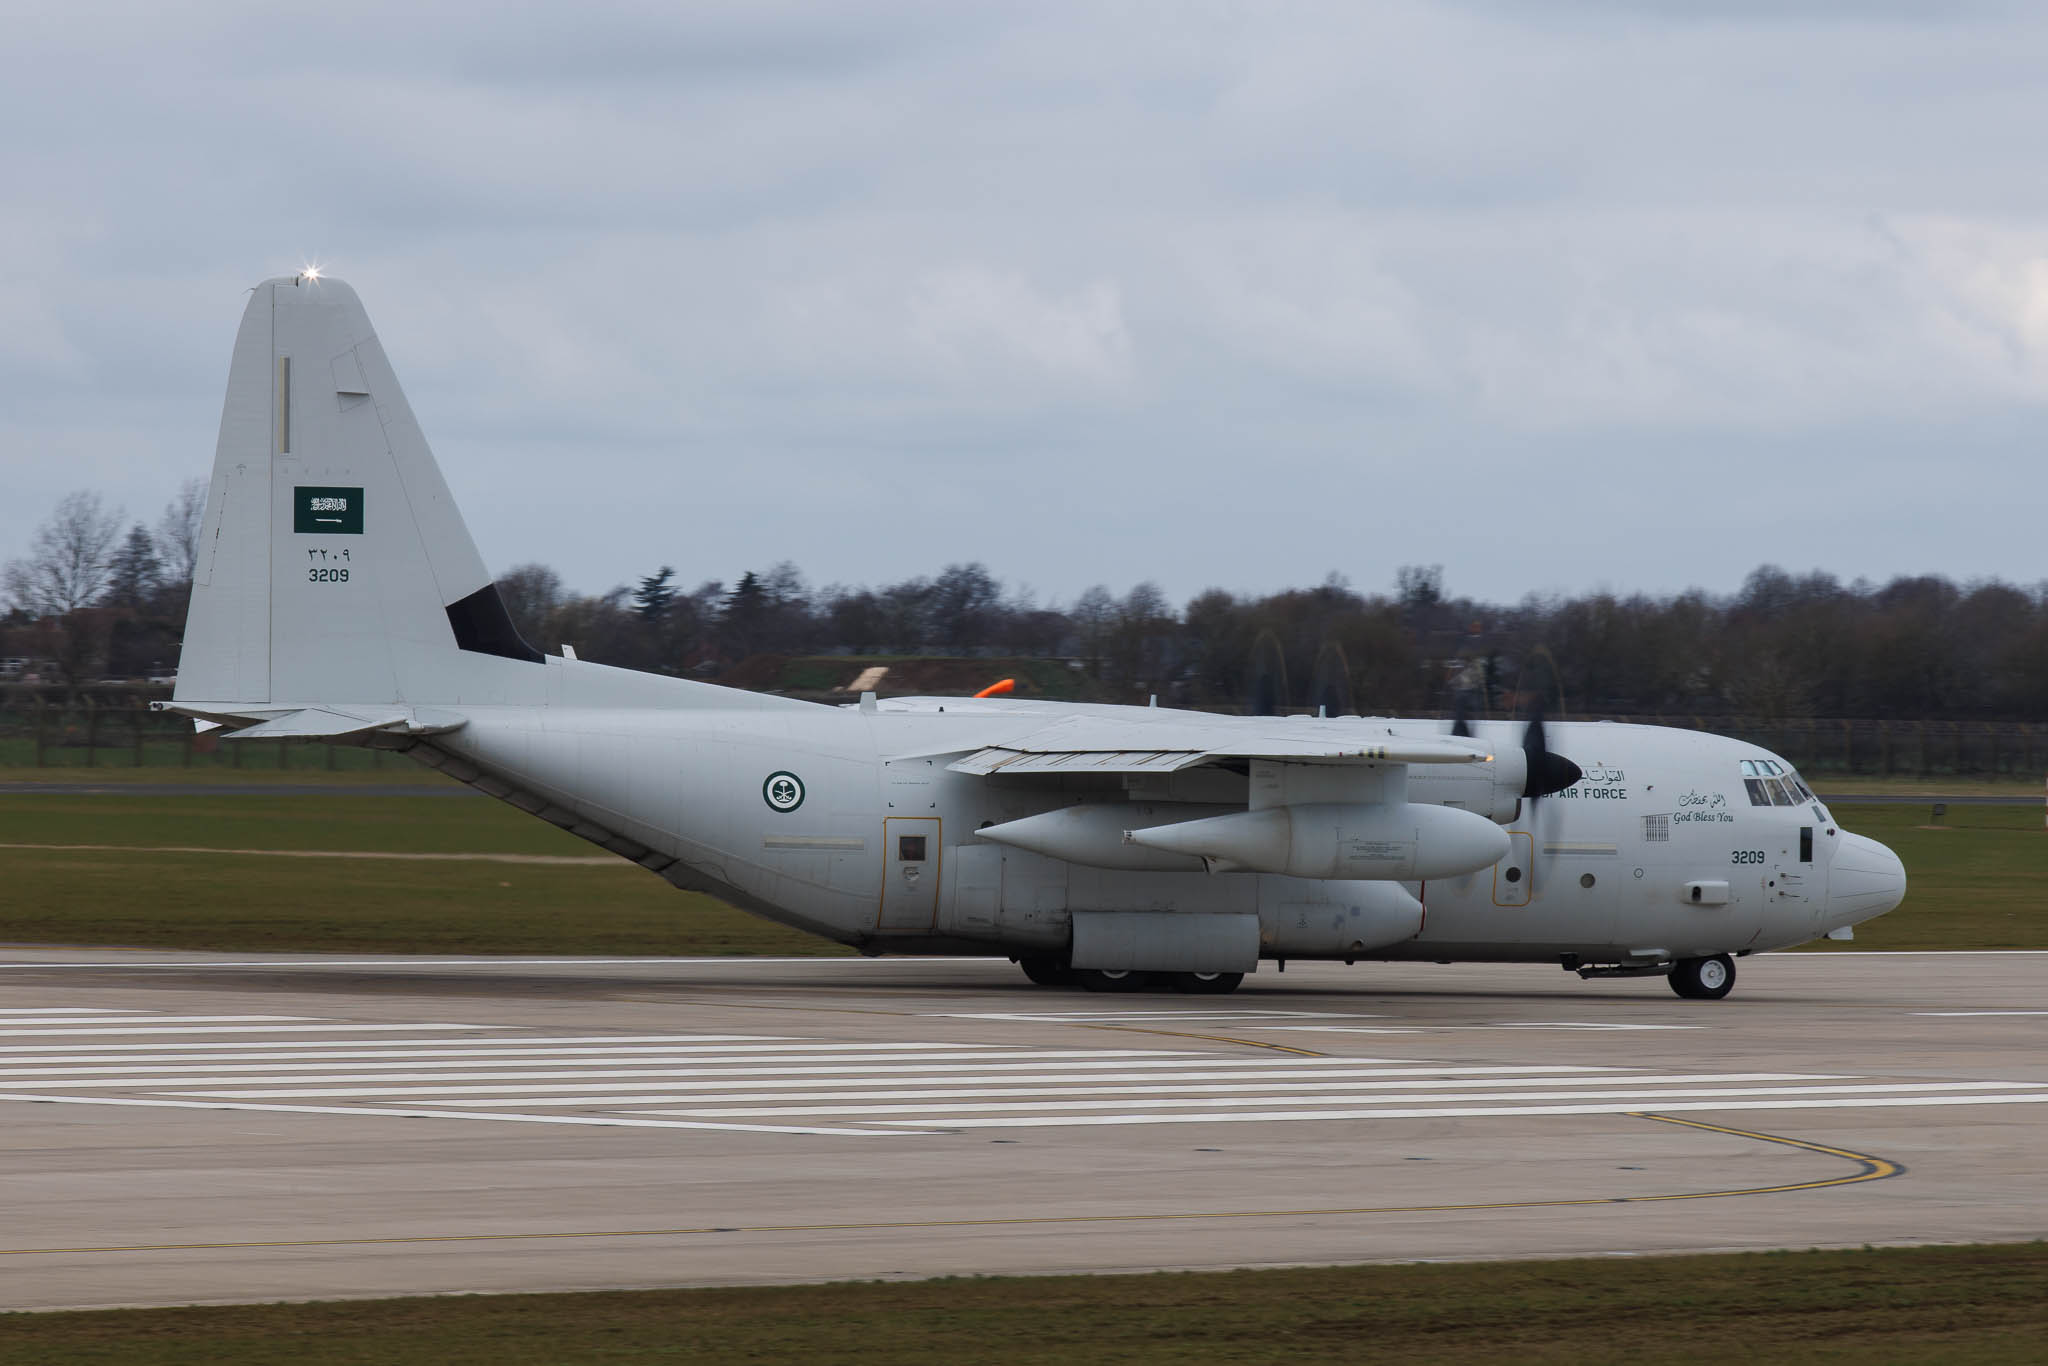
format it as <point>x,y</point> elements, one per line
<point>998,688</point>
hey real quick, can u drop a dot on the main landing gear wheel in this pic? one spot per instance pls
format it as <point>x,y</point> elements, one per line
<point>1097,979</point>
<point>1207,983</point>
<point>1703,979</point>
<point>1047,972</point>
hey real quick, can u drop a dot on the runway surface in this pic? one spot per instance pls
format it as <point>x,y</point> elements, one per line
<point>186,1127</point>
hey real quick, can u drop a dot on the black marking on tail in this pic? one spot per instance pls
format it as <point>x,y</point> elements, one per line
<point>483,626</point>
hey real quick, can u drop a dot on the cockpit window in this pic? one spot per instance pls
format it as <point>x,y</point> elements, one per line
<point>1770,783</point>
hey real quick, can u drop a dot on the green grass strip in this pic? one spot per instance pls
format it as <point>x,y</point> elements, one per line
<point>1964,1304</point>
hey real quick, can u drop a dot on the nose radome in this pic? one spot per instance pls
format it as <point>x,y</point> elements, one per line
<point>1866,879</point>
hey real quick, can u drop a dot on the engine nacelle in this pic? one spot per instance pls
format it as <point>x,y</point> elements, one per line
<point>1493,789</point>
<point>1376,842</point>
<point>1093,835</point>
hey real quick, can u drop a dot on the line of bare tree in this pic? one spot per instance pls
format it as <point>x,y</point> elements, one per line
<point>91,599</point>
<point>1782,646</point>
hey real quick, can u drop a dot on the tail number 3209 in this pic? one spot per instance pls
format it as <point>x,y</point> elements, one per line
<point>1747,856</point>
<point>326,576</point>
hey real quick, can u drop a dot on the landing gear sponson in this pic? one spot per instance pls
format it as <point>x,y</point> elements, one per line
<point>1054,972</point>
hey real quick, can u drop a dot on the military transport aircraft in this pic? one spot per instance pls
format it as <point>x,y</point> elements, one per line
<point>338,597</point>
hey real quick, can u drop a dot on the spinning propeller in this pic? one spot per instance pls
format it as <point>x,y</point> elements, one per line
<point>1546,770</point>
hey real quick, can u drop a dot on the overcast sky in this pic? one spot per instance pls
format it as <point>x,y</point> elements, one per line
<point>1558,295</point>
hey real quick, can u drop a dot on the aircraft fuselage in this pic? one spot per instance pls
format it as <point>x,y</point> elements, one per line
<point>847,822</point>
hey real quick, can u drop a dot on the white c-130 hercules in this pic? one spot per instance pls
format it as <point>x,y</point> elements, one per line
<point>339,597</point>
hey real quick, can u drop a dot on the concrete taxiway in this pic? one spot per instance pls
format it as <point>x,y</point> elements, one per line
<point>183,1127</point>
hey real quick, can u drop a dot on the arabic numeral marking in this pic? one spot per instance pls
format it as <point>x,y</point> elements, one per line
<point>326,576</point>
<point>1747,856</point>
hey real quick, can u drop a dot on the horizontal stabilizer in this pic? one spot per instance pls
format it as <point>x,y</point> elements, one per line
<point>312,723</point>
<point>315,723</point>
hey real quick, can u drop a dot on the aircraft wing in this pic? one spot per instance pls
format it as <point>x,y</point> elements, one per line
<point>1100,744</point>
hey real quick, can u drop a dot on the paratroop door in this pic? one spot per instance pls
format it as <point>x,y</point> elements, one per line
<point>910,874</point>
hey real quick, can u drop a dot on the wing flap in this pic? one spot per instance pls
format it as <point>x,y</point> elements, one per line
<point>1003,759</point>
<point>1096,744</point>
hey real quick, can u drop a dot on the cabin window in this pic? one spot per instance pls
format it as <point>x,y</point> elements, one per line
<point>910,848</point>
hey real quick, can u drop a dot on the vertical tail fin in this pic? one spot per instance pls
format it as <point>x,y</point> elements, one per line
<point>333,565</point>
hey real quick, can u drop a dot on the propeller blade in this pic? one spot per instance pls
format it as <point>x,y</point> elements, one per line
<point>1548,771</point>
<point>1461,716</point>
<point>1265,699</point>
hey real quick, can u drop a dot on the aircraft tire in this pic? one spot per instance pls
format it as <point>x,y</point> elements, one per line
<point>1047,971</point>
<point>1703,979</point>
<point>1095,979</point>
<point>1207,983</point>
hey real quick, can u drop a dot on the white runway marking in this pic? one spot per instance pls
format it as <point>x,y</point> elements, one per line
<point>62,1010</point>
<point>1637,1099</point>
<point>224,1029</point>
<point>600,1121</point>
<point>1154,1016</point>
<point>189,964</point>
<point>839,1075</point>
<point>1435,1029</point>
<point>780,1084</point>
<point>535,1057</point>
<point>129,1017</point>
<point>202,1074</point>
<point>1321,1087</point>
<point>194,1044</point>
<point>1973,1014</point>
<point>1474,1112</point>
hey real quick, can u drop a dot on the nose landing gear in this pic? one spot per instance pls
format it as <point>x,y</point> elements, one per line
<point>1703,979</point>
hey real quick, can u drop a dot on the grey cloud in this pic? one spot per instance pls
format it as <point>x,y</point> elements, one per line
<point>1552,294</point>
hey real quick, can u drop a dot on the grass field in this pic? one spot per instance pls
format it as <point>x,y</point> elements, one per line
<point>168,755</point>
<point>396,771</point>
<point>1964,1306</point>
<point>244,902</point>
<point>1975,880</point>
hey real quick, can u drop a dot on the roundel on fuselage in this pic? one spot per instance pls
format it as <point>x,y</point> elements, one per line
<point>783,791</point>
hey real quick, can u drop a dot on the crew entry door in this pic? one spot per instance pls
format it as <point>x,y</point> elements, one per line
<point>1513,875</point>
<point>910,874</point>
